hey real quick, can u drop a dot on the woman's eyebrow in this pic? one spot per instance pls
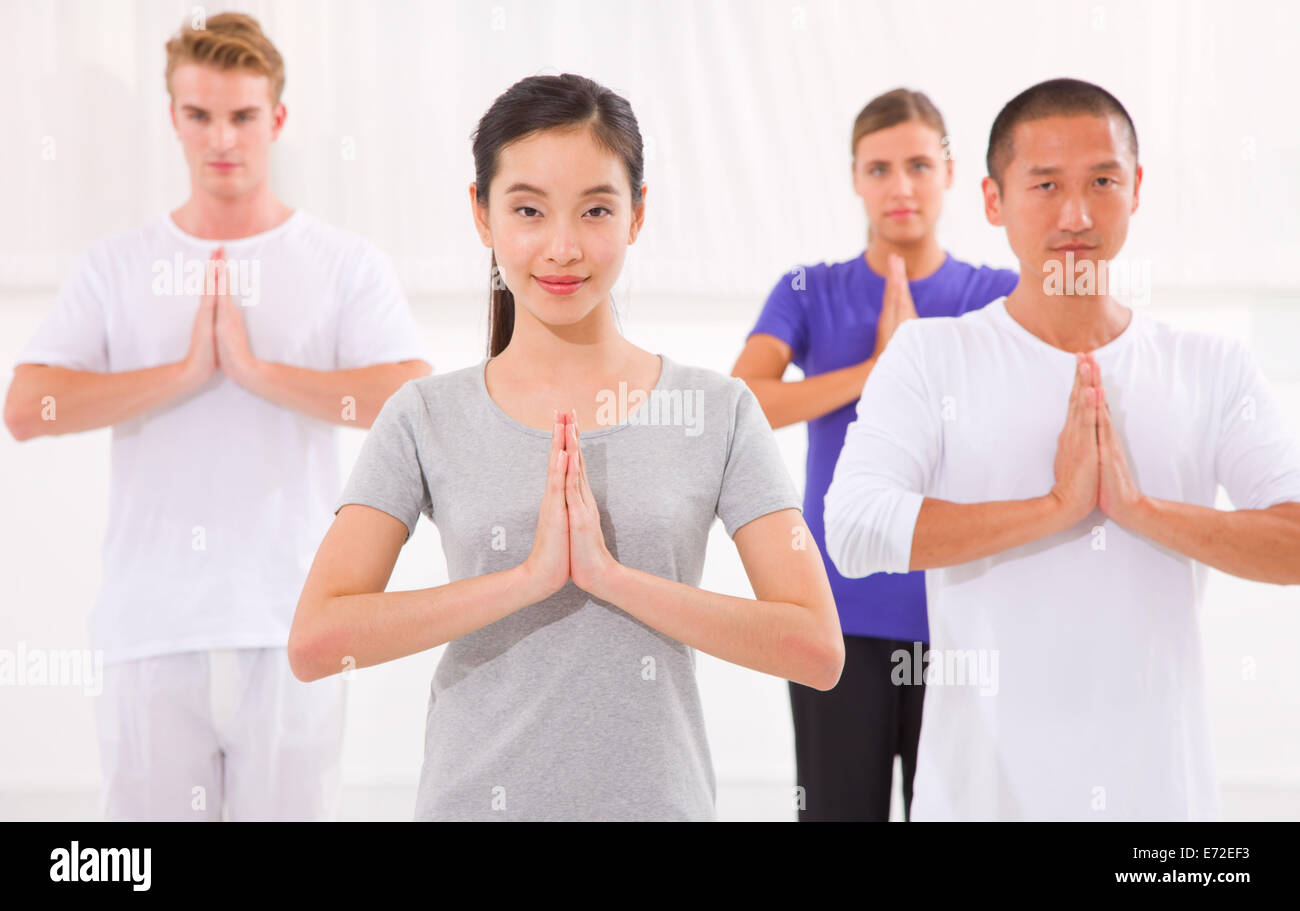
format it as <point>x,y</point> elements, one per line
<point>603,189</point>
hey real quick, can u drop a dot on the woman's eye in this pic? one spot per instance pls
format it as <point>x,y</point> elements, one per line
<point>1108,180</point>
<point>526,209</point>
<point>599,209</point>
<point>1046,184</point>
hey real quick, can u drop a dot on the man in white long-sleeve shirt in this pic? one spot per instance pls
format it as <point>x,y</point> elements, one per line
<point>1052,460</point>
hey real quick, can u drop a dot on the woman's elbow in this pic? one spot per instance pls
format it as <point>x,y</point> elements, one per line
<point>822,656</point>
<point>832,664</point>
<point>304,649</point>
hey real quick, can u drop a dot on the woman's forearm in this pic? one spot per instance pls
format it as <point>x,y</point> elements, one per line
<point>775,637</point>
<point>353,631</point>
<point>786,403</point>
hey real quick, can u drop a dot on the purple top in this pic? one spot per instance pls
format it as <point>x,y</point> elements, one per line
<point>827,314</point>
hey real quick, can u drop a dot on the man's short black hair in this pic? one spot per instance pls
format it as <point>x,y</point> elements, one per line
<point>1052,98</point>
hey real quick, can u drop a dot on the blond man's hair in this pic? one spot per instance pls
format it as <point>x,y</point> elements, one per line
<point>227,41</point>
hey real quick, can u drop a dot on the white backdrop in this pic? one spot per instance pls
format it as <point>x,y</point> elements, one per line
<point>746,108</point>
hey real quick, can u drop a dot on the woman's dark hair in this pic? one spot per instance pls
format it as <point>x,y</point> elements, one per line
<point>538,103</point>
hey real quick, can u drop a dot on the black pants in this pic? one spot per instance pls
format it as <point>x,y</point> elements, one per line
<point>846,738</point>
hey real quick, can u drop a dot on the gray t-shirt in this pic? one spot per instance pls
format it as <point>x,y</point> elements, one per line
<point>570,708</point>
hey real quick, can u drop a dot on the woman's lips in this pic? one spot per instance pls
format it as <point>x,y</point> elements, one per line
<point>560,287</point>
<point>901,213</point>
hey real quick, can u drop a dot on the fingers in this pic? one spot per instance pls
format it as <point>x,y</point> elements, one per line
<point>1090,411</point>
<point>211,277</point>
<point>1078,398</point>
<point>1078,385</point>
<point>558,460</point>
<point>897,269</point>
<point>573,473</point>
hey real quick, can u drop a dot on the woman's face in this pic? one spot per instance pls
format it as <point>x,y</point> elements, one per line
<point>901,173</point>
<point>559,219</point>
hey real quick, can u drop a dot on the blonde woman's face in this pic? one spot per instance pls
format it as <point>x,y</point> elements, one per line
<point>226,124</point>
<point>559,207</point>
<point>901,173</point>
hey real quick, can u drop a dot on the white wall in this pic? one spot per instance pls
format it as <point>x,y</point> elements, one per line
<point>746,108</point>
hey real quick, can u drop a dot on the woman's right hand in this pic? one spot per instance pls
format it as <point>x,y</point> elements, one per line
<point>547,566</point>
<point>896,305</point>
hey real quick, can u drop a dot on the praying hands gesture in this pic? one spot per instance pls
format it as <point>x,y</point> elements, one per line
<point>219,339</point>
<point>896,305</point>
<point>569,543</point>
<point>1090,469</point>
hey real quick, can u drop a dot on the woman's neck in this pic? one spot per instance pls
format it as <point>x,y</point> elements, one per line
<point>565,355</point>
<point>923,258</point>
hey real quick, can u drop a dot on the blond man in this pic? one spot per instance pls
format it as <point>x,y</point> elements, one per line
<point>222,342</point>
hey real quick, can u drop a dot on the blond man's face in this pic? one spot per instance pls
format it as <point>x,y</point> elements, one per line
<point>226,124</point>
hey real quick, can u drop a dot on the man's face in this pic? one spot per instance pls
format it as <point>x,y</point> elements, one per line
<point>901,173</point>
<point>1071,186</point>
<point>559,205</point>
<point>226,125</point>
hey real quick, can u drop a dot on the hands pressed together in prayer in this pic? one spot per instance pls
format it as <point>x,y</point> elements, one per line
<point>1090,469</point>
<point>569,543</point>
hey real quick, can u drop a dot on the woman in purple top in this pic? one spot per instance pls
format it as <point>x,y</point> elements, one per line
<point>833,320</point>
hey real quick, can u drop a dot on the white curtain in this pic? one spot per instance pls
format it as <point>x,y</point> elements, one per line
<point>745,106</point>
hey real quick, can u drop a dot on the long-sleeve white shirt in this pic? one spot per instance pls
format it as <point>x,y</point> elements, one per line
<point>1083,693</point>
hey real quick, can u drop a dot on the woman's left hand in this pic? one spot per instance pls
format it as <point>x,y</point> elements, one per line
<point>590,561</point>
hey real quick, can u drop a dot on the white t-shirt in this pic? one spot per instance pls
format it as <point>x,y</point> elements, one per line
<point>219,499</point>
<point>1084,694</point>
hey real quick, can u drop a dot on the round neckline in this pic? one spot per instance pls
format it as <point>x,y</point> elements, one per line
<point>948,260</point>
<point>999,309</point>
<point>499,412</point>
<point>294,217</point>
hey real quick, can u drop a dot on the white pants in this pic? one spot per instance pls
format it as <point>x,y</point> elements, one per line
<point>181,735</point>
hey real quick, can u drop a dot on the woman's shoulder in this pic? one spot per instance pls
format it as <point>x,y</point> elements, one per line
<point>714,388</point>
<point>438,390</point>
<point>994,280</point>
<point>819,277</point>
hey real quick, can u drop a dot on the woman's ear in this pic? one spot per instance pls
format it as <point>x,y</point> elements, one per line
<point>479,214</point>
<point>638,216</point>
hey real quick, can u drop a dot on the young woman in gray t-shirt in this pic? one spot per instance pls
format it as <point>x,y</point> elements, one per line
<point>573,478</point>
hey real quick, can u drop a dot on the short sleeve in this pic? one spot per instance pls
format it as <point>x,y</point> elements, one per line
<point>886,464</point>
<point>785,314</point>
<point>388,474</point>
<point>375,321</point>
<point>755,480</point>
<point>74,334</point>
<point>1257,458</point>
